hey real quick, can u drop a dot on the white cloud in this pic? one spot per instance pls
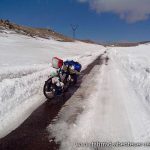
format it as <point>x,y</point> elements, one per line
<point>129,10</point>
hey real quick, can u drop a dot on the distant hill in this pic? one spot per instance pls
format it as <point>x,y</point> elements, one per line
<point>89,41</point>
<point>34,32</point>
<point>125,44</point>
<point>117,44</point>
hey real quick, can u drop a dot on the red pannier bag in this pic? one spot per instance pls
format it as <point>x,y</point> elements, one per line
<point>57,62</point>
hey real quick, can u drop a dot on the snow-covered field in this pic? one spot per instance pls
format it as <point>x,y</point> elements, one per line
<point>25,64</point>
<point>115,106</point>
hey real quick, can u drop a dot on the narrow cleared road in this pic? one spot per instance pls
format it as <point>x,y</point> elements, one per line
<point>32,134</point>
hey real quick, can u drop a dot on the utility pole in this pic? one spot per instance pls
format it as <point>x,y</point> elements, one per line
<point>74,29</point>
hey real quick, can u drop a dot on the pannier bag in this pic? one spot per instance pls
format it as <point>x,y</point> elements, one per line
<point>73,66</point>
<point>57,62</point>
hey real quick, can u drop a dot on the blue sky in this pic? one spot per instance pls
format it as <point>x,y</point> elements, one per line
<point>94,22</point>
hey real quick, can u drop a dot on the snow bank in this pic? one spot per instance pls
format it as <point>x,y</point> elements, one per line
<point>20,71</point>
<point>24,67</point>
<point>135,63</point>
<point>17,96</point>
